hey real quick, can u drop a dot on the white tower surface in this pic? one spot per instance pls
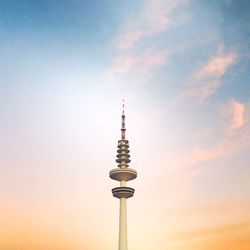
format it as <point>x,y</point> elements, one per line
<point>123,174</point>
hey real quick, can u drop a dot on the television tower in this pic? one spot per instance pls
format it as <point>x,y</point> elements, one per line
<point>123,174</point>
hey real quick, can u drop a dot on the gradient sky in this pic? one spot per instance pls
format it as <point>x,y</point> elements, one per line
<point>183,68</point>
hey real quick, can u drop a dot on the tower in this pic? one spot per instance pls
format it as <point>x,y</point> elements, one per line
<point>123,174</point>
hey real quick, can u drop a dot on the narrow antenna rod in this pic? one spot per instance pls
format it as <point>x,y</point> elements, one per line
<point>123,129</point>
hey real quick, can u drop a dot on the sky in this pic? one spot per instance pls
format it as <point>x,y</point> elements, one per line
<point>182,67</point>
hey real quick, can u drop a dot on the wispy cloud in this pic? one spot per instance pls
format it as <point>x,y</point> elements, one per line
<point>140,65</point>
<point>134,56</point>
<point>207,79</point>
<point>233,139</point>
<point>228,145</point>
<point>234,111</point>
<point>154,17</point>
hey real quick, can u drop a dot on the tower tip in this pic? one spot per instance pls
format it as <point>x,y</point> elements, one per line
<point>123,129</point>
<point>123,106</point>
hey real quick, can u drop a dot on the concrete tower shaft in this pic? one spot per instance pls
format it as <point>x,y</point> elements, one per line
<point>123,174</point>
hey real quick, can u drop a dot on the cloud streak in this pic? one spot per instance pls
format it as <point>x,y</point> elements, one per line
<point>207,79</point>
<point>135,57</point>
<point>155,17</point>
<point>233,139</point>
<point>235,112</point>
<point>142,65</point>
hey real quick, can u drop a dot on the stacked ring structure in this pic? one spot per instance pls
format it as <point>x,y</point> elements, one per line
<point>123,172</point>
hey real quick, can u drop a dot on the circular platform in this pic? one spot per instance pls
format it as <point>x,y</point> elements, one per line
<point>124,150</point>
<point>121,146</point>
<point>120,160</point>
<point>123,155</point>
<point>123,142</point>
<point>123,192</point>
<point>122,174</point>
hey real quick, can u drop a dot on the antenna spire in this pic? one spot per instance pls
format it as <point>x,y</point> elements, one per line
<point>123,129</point>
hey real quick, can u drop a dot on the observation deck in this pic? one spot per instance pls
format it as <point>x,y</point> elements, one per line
<point>123,192</point>
<point>123,174</point>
